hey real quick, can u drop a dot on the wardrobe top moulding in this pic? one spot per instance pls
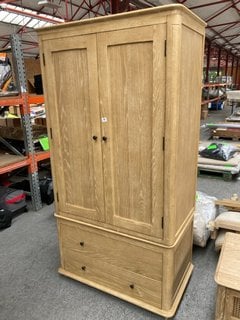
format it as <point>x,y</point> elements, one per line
<point>178,13</point>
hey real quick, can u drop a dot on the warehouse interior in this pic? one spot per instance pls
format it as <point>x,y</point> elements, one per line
<point>69,69</point>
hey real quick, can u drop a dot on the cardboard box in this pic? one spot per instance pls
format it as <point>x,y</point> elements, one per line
<point>3,122</point>
<point>40,121</point>
<point>15,122</point>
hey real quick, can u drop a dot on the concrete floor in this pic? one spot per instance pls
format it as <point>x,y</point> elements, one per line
<point>31,288</point>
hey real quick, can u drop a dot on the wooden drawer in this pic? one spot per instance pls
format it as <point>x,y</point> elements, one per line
<point>113,262</point>
<point>127,254</point>
<point>149,275</point>
<point>111,276</point>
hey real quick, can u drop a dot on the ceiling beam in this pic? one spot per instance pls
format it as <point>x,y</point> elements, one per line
<point>222,11</point>
<point>208,4</point>
<point>226,29</point>
<point>29,14</point>
<point>222,24</point>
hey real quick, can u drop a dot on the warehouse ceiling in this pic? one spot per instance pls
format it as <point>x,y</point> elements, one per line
<point>24,16</point>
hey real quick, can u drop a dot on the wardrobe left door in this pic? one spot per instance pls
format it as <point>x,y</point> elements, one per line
<point>72,102</point>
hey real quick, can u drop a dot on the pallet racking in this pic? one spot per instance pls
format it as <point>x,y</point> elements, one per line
<point>23,100</point>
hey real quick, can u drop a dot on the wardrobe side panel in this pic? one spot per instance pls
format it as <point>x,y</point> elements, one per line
<point>188,123</point>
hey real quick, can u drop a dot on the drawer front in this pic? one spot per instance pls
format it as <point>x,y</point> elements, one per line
<point>112,249</point>
<point>112,261</point>
<point>113,277</point>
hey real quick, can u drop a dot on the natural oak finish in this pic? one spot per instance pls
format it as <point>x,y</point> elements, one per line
<point>232,205</point>
<point>123,97</point>
<point>146,272</point>
<point>228,279</point>
<point>77,157</point>
<point>133,157</point>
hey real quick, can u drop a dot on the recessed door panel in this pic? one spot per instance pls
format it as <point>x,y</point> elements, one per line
<point>132,74</point>
<point>76,139</point>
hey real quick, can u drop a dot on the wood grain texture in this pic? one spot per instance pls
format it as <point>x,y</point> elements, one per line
<point>227,304</point>
<point>112,249</point>
<point>116,261</point>
<point>220,303</point>
<point>227,277</point>
<point>133,157</point>
<point>126,203</point>
<point>77,156</point>
<point>188,123</point>
<point>228,268</point>
<point>124,281</point>
<point>148,306</point>
<point>7,159</point>
<point>232,307</point>
<point>138,175</point>
<point>228,203</point>
<point>177,265</point>
<point>183,106</point>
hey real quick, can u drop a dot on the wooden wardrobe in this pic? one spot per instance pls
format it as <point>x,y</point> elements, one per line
<point>123,97</point>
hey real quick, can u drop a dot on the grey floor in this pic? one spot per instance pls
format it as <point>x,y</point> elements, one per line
<point>31,288</point>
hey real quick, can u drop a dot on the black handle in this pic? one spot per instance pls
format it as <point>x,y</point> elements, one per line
<point>104,138</point>
<point>94,138</point>
<point>82,244</point>
<point>131,286</point>
<point>83,268</point>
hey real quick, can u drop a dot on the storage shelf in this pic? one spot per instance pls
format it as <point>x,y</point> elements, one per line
<point>40,156</point>
<point>19,100</point>
<point>37,99</point>
<point>210,85</point>
<point>217,86</point>
<point>10,100</point>
<point>211,100</point>
<point>11,162</point>
<point>23,99</point>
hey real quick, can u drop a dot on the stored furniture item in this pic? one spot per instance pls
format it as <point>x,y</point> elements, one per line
<point>123,99</point>
<point>228,221</point>
<point>228,279</point>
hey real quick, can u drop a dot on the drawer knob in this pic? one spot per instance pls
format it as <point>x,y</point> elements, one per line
<point>104,138</point>
<point>83,268</point>
<point>94,138</point>
<point>82,243</point>
<point>131,286</point>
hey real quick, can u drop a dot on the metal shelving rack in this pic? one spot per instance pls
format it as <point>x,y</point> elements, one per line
<point>24,100</point>
<point>217,86</point>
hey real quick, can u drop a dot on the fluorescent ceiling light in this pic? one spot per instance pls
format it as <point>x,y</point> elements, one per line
<point>25,17</point>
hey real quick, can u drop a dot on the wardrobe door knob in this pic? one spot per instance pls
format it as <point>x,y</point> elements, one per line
<point>104,138</point>
<point>94,138</point>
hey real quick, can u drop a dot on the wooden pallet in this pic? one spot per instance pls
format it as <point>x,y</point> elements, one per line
<point>229,133</point>
<point>214,173</point>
